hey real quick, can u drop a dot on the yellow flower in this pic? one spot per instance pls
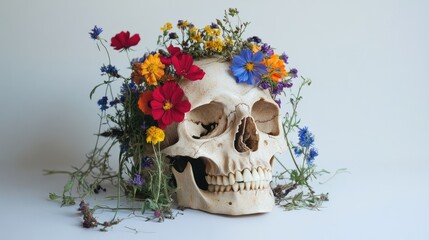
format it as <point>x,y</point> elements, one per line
<point>256,48</point>
<point>211,32</point>
<point>214,45</point>
<point>227,41</point>
<point>195,35</point>
<point>152,69</point>
<point>155,135</point>
<point>167,26</point>
<point>276,68</point>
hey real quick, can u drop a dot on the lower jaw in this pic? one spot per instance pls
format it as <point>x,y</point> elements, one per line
<point>189,195</point>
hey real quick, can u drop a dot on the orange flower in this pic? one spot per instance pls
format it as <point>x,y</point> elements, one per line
<point>276,68</point>
<point>152,69</point>
<point>137,75</point>
<point>144,100</point>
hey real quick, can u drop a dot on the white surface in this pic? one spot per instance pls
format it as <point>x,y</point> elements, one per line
<point>367,107</point>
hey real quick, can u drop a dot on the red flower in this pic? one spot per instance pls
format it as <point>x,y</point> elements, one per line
<point>123,40</point>
<point>168,105</point>
<point>173,51</point>
<point>183,64</point>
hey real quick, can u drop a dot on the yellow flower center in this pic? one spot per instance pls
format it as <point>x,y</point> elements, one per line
<point>167,105</point>
<point>249,66</point>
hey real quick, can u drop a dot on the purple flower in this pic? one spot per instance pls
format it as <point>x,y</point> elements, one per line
<point>95,32</point>
<point>264,85</point>
<point>265,48</point>
<point>147,162</point>
<point>284,57</point>
<point>213,25</point>
<point>173,35</point>
<point>157,214</point>
<point>293,73</point>
<point>279,102</point>
<point>254,39</point>
<point>137,180</point>
<point>247,66</point>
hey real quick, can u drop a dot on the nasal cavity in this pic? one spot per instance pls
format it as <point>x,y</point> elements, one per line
<point>246,138</point>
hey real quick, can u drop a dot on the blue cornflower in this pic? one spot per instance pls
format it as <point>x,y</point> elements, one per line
<point>284,57</point>
<point>293,73</point>
<point>137,180</point>
<point>114,102</point>
<point>254,39</point>
<point>247,66</point>
<point>265,48</point>
<point>102,102</point>
<point>95,32</point>
<point>109,69</point>
<point>311,155</point>
<point>127,88</point>
<point>297,151</point>
<point>306,138</point>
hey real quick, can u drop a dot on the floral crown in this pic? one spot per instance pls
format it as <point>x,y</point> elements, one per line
<point>151,99</point>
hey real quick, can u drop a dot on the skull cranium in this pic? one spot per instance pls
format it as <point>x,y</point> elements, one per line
<point>223,150</point>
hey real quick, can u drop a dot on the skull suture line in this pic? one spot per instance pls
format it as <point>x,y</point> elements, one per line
<point>229,138</point>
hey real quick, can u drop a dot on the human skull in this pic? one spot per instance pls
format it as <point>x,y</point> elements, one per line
<point>223,150</point>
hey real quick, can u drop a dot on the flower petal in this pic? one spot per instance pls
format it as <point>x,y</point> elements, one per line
<point>195,73</point>
<point>134,40</point>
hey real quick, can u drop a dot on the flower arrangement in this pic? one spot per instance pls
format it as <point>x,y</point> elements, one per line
<point>151,99</point>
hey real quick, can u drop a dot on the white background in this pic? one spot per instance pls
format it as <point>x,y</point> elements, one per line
<point>367,106</point>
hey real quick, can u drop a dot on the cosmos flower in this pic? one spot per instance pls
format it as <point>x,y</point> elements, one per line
<point>183,64</point>
<point>168,105</point>
<point>123,40</point>
<point>144,100</point>
<point>247,66</point>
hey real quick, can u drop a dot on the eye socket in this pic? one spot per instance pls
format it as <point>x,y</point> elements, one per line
<point>266,115</point>
<point>206,121</point>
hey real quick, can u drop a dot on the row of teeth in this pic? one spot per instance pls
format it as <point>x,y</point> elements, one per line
<point>240,180</point>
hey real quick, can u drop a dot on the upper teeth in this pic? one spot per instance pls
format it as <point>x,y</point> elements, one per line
<point>257,178</point>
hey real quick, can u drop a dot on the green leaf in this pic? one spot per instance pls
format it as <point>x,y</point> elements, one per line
<point>95,88</point>
<point>68,186</point>
<point>68,201</point>
<point>53,196</point>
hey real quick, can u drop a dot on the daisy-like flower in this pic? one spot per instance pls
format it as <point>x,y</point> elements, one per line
<point>154,135</point>
<point>184,66</point>
<point>168,105</point>
<point>276,68</point>
<point>152,69</point>
<point>247,66</point>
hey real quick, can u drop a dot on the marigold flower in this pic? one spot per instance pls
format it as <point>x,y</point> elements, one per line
<point>276,68</point>
<point>144,100</point>
<point>168,105</point>
<point>154,135</point>
<point>152,69</point>
<point>123,40</point>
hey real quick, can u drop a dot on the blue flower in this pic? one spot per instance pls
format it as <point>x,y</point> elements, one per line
<point>109,69</point>
<point>137,180</point>
<point>102,102</point>
<point>247,66</point>
<point>131,87</point>
<point>297,151</point>
<point>114,102</point>
<point>95,32</point>
<point>306,138</point>
<point>311,155</point>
